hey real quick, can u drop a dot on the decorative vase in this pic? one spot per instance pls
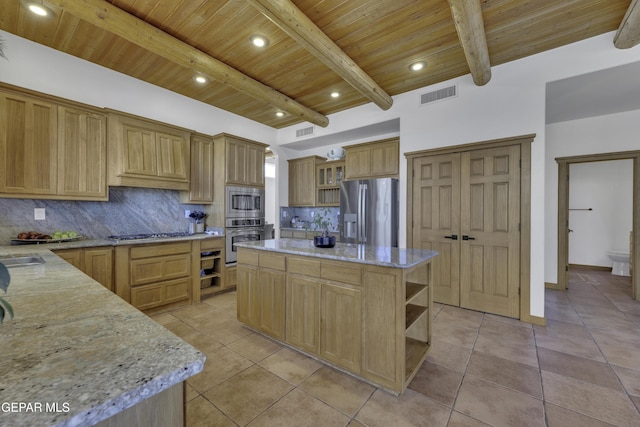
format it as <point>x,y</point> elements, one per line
<point>324,241</point>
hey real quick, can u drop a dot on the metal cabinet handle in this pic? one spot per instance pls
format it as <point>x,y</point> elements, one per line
<point>465,237</point>
<point>452,237</point>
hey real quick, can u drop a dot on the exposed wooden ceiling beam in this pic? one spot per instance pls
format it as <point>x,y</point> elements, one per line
<point>467,16</point>
<point>110,18</point>
<point>628,34</point>
<point>298,26</point>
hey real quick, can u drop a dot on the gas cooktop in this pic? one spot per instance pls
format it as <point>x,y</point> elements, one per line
<point>149,235</point>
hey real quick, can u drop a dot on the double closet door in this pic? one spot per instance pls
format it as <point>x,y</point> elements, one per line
<point>467,207</point>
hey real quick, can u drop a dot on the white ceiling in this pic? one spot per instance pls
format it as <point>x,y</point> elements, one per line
<point>609,91</point>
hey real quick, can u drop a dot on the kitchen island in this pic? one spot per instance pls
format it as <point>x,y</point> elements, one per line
<point>364,310</point>
<point>76,354</point>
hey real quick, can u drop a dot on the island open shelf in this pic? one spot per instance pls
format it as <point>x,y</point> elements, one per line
<point>364,310</point>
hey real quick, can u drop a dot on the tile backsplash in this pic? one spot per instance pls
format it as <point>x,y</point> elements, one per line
<point>129,210</point>
<point>306,218</point>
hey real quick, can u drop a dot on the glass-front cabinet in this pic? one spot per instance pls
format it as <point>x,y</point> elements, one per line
<point>328,178</point>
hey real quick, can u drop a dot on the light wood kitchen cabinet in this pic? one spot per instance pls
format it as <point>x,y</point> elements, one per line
<point>373,159</point>
<point>302,180</point>
<point>208,258</point>
<point>328,179</point>
<point>95,262</point>
<point>244,161</point>
<point>82,154</point>
<point>153,276</point>
<point>261,292</point>
<point>372,320</point>
<point>28,146</point>
<point>144,153</point>
<point>202,167</point>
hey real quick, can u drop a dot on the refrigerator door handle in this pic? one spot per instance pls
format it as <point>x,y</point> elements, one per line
<point>362,203</point>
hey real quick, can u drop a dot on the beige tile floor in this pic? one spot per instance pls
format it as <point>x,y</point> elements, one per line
<point>582,369</point>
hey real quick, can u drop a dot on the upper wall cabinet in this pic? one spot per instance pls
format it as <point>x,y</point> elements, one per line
<point>144,153</point>
<point>82,154</point>
<point>302,180</point>
<point>50,149</point>
<point>373,159</point>
<point>244,160</point>
<point>28,146</point>
<point>202,167</point>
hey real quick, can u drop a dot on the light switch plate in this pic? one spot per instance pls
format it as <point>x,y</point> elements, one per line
<point>187,212</point>
<point>39,214</point>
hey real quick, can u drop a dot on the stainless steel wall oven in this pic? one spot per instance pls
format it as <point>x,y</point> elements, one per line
<point>244,218</point>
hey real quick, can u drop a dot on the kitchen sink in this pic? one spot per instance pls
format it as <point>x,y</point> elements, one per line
<point>21,260</point>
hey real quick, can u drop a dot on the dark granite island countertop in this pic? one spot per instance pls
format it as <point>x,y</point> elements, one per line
<point>75,353</point>
<point>374,255</point>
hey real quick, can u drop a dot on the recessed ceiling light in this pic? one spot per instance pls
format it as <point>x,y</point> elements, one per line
<point>417,66</point>
<point>335,94</point>
<point>259,41</point>
<point>279,114</point>
<point>200,79</point>
<point>38,8</point>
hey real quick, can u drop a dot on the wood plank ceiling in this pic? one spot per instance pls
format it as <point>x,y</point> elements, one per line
<point>361,49</point>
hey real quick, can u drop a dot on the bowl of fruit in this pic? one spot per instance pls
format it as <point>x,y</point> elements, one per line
<point>55,237</point>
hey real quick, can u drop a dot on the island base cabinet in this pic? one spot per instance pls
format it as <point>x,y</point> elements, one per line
<point>340,326</point>
<point>261,297</point>
<point>303,313</point>
<point>165,409</point>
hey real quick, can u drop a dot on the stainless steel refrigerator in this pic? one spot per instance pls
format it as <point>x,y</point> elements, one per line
<point>369,212</point>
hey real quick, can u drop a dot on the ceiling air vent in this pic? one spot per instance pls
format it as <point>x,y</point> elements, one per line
<point>304,132</point>
<point>438,95</point>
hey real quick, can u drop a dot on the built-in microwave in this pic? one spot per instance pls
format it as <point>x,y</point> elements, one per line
<point>245,202</point>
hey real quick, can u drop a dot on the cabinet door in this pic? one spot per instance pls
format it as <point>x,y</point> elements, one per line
<point>248,295</point>
<point>28,145</point>
<point>138,151</point>
<point>385,160</point>
<point>72,256</point>
<point>255,165</point>
<point>303,313</point>
<point>98,263</point>
<point>358,162</point>
<point>202,167</point>
<point>302,182</point>
<point>82,154</point>
<point>173,156</point>
<point>272,295</point>
<point>236,171</point>
<point>340,326</point>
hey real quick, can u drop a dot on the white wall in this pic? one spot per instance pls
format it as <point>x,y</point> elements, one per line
<point>603,134</point>
<point>39,68</point>
<point>607,188</point>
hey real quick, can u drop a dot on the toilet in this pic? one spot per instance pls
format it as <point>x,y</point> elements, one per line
<point>620,263</point>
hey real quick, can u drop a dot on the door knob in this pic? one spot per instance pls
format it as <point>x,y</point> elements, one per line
<point>452,237</point>
<point>465,237</point>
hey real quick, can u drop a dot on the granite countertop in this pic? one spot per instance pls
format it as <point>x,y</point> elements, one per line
<point>375,255</point>
<point>76,345</point>
<point>90,242</point>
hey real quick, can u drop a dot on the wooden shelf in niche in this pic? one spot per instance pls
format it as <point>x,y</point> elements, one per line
<point>414,351</point>
<point>413,313</point>
<point>413,289</point>
<point>210,272</point>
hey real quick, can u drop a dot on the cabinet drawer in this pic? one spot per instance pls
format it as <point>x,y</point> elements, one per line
<point>159,294</point>
<point>150,270</point>
<point>273,261</point>
<point>341,272</point>
<point>211,244</point>
<point>247,257</point>
<point>286,234</point>
<point>303,266</point>
<point>299,234</point>
<point>159,250</point>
